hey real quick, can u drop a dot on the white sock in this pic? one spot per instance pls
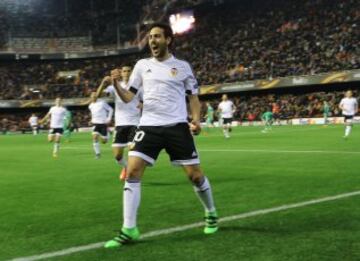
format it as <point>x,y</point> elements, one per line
<point>131,202</point>
<point>203,190</point>
<point>226,132</point>
<point>347,130</point>
<point>34,132</point>
<point>96,146</point>
<point>56,147</point>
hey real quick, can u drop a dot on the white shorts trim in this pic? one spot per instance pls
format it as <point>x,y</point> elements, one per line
<point>143,156</point>
<point>186,162</point>
<point>119,145</point>
<point>102,136</point>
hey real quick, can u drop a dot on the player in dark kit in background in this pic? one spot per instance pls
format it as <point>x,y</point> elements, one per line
<point>165,82</point>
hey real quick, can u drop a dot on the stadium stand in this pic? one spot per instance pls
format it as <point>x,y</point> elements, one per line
<point>261,46</point>
<point>282,38</point>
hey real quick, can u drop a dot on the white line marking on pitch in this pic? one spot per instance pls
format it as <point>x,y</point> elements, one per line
<point>252,150</point>
<point>282,151</point>
<point>167,231</point>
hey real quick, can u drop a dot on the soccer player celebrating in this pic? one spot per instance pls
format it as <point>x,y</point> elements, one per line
<point>101,114</point>
<point>267,118</point>
<point>56,114</point>
<point>349,107</point>
<point>34,123</point>
<point>227,109</point>
<point>165,81</point>
<point>127,115</point>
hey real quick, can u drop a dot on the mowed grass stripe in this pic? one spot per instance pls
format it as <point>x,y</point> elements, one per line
<point>167,231</point>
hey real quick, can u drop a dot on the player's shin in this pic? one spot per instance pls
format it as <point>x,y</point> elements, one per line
<point>96,146</point>
<point>204,193</point>
<point>131,202</point>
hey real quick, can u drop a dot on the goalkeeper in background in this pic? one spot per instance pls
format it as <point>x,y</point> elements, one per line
<point>67,125</point>
<point>267,118</point>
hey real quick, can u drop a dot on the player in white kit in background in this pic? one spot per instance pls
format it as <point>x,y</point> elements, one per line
<point>227,109</point>
<point>127,115</point>
<point>349,107</point>
<point>34,123</point>
<point>165,82</point>
<point>101,115</point>
<point>56,115</point>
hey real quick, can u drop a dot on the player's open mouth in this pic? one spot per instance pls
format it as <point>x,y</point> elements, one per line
<point>155,49</point>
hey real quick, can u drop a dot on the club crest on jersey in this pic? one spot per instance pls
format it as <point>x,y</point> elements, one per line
<point>173,72</point>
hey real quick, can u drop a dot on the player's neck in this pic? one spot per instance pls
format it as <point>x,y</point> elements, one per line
<point>166,56</point>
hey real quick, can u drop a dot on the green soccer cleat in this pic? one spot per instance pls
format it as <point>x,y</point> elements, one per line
<point>126,236</point>
<point>211,223</point>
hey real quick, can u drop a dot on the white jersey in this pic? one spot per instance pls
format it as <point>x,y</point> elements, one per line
<point>164,85</point>
<point>57,117</point>
<point>125,113</point>
<point>349,105</point>
<point>101,112</point>
<point>33,121</point>
<point>226,108</point>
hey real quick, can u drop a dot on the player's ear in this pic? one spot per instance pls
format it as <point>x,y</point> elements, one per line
<point>168,41</point>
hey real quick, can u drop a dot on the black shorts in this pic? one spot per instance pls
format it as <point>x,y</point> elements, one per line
<point>227,120</point>
<point>123,135</point>
<point>348,117</point>
<point>101,129</point>
<point>177,141</point>
<point>56,131</point>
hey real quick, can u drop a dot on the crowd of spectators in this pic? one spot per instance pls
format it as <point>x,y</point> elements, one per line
<point>233,42</point>
<point>273,39</point>
<point>99,19</point>
<point>248,108</point>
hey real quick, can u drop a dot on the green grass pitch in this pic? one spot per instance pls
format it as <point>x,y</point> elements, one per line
<point>50,204</point>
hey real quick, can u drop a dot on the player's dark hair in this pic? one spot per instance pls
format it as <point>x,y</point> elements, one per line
<point>167,30</point>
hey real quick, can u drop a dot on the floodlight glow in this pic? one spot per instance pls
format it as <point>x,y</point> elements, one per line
<point>182,22</point>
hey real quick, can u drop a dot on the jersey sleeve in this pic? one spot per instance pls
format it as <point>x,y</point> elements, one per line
<point>110,90</point>
<point>135,81</point>
<point>110,112</point>
<point>191,84</point>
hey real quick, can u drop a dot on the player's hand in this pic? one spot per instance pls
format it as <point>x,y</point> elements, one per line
<point>115,74</point>
<point>195,127</point>
<point>106,80</point>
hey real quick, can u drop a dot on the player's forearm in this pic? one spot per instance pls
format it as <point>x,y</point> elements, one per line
<point>195,107</point>
<point>100,89</point>
<point>125,95</point>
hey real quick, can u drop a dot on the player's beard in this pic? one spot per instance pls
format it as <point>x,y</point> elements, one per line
<point>161,51</point>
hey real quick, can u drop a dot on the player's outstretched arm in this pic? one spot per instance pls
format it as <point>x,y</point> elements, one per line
<point>125,95</point>
<point>195,108</point>
<point>45,119</point>
<point>106,81</point>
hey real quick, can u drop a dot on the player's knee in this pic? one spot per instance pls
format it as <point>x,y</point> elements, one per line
<point>134,172</point>
<point>195,176</point>
<point>118,157</point>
